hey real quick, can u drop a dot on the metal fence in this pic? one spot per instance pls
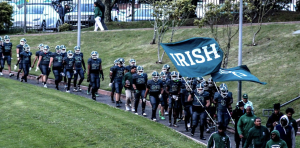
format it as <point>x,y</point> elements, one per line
<point>46,15</point>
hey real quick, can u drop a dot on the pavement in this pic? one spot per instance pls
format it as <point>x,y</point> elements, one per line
<point>105,99</point>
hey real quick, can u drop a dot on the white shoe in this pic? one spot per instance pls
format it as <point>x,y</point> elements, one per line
<point>188,125</point>
<point>144,114</point>
<point>75,90</point>
<point>1,74</point>
<point>133,110</point>
<point>45,85</point>
<point>11,74</point>
<point>127,108</point>
<point>68,91</point>
<point>166,113</point>
<point>66,86</point>
<point>136,113</point>
<point>154,119</point>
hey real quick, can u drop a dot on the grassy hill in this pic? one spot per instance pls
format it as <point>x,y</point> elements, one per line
<point>274,60</point>
<point>37,117</point>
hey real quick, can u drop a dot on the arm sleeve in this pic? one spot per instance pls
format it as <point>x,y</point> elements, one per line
<point>295,127</point>
<point>293,138</point>
<point>239,126</point>
<point>124,79</point>
<point>210,141</point>
<point>248,140</point>
<point>269,122</point>
<point>228,142</point>
<point>148,85</point>
<point>134,80</point>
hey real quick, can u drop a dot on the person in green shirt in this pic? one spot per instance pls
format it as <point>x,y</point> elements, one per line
<point>245,123</point>
<point>97,16</point>
<point>219,139</point>
<point>258,135</point>
<point>275,141</point>
<point>129,91</point>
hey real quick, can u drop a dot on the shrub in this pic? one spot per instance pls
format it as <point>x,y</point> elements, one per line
<point>65,27</point>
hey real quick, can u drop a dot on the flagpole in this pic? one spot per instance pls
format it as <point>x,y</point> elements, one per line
<point>78,23</point>
<point>240,48</point>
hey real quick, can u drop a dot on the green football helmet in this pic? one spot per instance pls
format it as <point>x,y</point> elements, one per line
<point>163,76</point>
<point>174,76</point>
<point>116,62</point>
<point>41,47</point>
<point>6,39</point>
<point>140,70</point>
<point>132,62</point>
<point>224,89</point>
<point>121,61</point>
<point>94,55</point>
<point>46,48</point>
<point>23,41</point>
<point>57,49</point>
<point>155,76</point>
<point>200,88</point>
<point>26,47</point>
<point>166,68</point>
<point>63,48</point>
<point>77,50</point>
<point>70,54</point>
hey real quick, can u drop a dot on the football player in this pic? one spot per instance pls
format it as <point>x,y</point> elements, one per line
<point>64,54</point>
<point>155,90</point>
<point>94,72</point>
<point>111,84</point>
<point>25,57</point>
<point>44,60</point>
<point>7,53</point>
<point>164,98</point>
<point>69,68</point>
<point>57,68</point>
<point>79,63</point>
<point>139,85</point>
<point>201,101</point>
<point>132,62</point>
<point>19,50</point>
<point>188,112</point>
<point>174,92</point>
<point>37,55</point>
<point>117,74</point>
<point>1,56</point>
<point>166,69</point>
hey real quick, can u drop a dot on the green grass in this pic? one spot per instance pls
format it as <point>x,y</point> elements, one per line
<point>33,116</point>
<point>274,60</point>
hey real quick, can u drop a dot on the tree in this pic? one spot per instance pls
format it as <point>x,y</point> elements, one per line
<point>108,4</point>
<point>226,14</point>
<point>6,12</point>
<point>255,11</point>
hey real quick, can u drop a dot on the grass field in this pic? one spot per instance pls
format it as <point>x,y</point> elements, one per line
<point>274,60</point>
<point>37,117</point>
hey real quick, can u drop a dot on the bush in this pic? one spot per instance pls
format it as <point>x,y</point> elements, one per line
<point>298,6</point>
<point>65,27</point>
<point>6,15</point>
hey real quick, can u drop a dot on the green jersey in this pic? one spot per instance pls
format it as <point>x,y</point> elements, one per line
<point>257,137</point>
<point>245,123</point>
<point>218,141</point>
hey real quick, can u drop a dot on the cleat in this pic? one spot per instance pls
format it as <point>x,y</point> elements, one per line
<point>21,80</point>
<point>11,74</point>
<point>192,134</point>
<point>66,86</point>
<point>67,91</point>
<point>112,101</point>
<point>188,125</point>
<point>97,95</point>
<point>133,110</point>
<point>202,138</point>
<point>38,80</point>
<point>170,124</point>
<point>87,92</point>
<point>207,130</point>
<point>94,98</point>
<point>45,85</point>
<point>154,119</point>
<point>120,101</point>
<point>75,89</point>
<point>166,113</point>
<point>178,120</point>
<point>78,88</point>
<point>162,118</point>
<point>136,113</point>
<point>57,87</point>
<point>144,114</point>
<point>175,125</point>
<point>1,74</point>
<point>127,108</point>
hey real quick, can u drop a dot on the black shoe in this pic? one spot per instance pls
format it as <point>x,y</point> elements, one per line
<point>202,138</point>
<point>57,87</point>
<point>112,101</point>
<point>192,134</point>
<point>118,105</point>
<point>21,80</point>
<point>120,101</point>
<point>94,98</point>
<point>186,129</point>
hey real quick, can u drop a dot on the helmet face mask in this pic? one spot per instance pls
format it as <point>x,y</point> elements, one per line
<point>224,90</point>
<point>174,75</point>
<point>26,48</point>
<point>163,76</point>
<point>6,39</point>
<point>132,62</point>
<point>210,82</point>
<point>121,62</point>
<point>140,70</point>
<point>155,76</point>
<point>205,85</point>
<point>94,55</point>
<point>116,62</point>
<point>77,50</point>
<point>57,49</point>
<point>166,68</point>
<point>63,48</point>
<point>41,47</point>
<point>46,49</point>
<point>200,89</point>
<point>23,41</point>
<point>70,54</point>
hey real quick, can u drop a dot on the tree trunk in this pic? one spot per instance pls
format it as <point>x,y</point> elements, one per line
<point>155,33</point>
<point>158,48</point>
<point>107,13</point>
<point>132,10</point>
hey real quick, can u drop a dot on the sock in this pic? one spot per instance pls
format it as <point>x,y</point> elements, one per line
<point>201,131</point>
<point>75,81</point>
<point>69,83</point>
<point>153,114</point>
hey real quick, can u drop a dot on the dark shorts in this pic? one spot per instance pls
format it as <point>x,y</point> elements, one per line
<point>118,87</point>
<point>45,69</point>
<point>21,65</point>
<point>8,59</point>
<point>69,74</point>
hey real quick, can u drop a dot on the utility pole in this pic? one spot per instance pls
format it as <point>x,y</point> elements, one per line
<point>25,12</point>
<point>79,23</point>
<point>240,48</point>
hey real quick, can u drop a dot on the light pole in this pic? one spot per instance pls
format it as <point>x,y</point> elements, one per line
<point>78,23</point>
<point>240,47</point>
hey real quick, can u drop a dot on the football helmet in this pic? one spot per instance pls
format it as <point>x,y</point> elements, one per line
<point>140,70</point>
<point>77,50</point>
<point>155,76</point>
<point>46,48</point>
<point>190,79</point>
<point>6,39</point>
<point>163,76</point>
<point>189,85</point>
<point>200,88</point>
<point>132,62</point>
<point>121,61</point>
<point>165,68</point>
<point>224,89</point>
<point>23,41</point>
<point>210,82</point>
<point>41,47</point>
<point>94,54</point>
<point>57,49</point>
<point>205,85</point>
<point>26,47</point>
<point>70,54</point>
<point>174,75</point>
<point>63,48</point>
<point>1,39</point>
<point>116,62</point>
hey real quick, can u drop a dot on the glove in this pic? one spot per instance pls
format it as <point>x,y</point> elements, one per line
<point>37,69</point>
<point>144,99</point>
<point>88,79</point>
<point>62,74</point>
<point>75,71</point>
<point>110,84</point>
<point>18,59</point>
<point>15,67</point>
<point>102,78</point>
<point>84,71</point>
<point>49,69</point>
<point>160,96</point>
<point>29,68</point>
